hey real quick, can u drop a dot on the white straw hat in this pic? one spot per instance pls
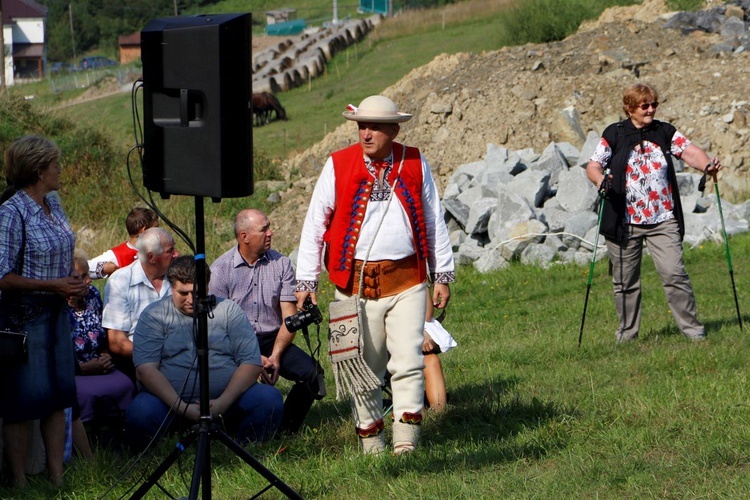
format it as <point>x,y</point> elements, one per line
<point>376,109</point>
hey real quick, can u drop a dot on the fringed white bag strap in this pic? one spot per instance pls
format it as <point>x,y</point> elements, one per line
<point>351,373</point>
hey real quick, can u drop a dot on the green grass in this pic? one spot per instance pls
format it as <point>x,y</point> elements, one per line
<point>686,4</point>
<point>529,414</point>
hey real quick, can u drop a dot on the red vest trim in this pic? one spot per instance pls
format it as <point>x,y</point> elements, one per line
<point>124,254</point>
<point>353,187</point>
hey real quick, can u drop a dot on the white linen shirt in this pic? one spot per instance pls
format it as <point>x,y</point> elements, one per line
<point>127,293</point>
<point>390,243</point>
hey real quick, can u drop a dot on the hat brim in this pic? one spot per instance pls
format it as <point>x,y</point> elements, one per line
<point>399,118</point>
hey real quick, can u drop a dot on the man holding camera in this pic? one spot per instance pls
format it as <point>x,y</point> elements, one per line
<point>376,201</point>
<point>261,281</point>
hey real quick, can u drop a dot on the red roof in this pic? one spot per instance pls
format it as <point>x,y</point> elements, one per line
<point>131,39</point>
<point>14,9</point>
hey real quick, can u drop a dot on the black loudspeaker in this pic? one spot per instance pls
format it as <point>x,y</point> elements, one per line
<point>197,91</point>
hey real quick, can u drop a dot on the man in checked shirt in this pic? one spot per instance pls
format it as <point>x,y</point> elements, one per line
<point>261,281</point>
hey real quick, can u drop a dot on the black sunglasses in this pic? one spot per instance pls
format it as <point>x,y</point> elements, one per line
<point>647,105</point>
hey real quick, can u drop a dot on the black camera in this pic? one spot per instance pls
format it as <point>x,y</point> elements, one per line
<point>307,316</point>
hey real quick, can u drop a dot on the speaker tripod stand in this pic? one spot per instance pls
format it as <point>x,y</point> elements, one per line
<point>206,429</point>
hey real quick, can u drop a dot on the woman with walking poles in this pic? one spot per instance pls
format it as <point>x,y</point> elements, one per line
<point>642,205</point>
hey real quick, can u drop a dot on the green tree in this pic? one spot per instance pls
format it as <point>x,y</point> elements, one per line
<point>98,23</point>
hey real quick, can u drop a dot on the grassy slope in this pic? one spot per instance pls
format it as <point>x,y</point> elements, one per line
<point>314,12</point>
<point>360,71</point>
<point>364,69</point>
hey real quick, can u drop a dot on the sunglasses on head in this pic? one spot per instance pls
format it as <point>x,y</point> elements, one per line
<point>647,105</point>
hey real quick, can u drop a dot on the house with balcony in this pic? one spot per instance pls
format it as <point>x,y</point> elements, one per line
<point>23,32</point>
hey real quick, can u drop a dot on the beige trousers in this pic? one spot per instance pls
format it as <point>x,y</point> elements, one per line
<point>392,325</point>
<point>664,243</point>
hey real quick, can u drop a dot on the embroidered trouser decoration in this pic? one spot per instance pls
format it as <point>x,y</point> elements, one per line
<point>371,430</point>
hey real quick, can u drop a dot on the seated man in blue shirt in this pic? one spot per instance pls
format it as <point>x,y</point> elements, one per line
<point>261,281</point>
<point>165,358</point>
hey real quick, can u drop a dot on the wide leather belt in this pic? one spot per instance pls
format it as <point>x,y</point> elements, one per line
<point>384,278</point>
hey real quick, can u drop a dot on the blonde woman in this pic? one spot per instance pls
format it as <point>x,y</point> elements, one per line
<point>36,276</point>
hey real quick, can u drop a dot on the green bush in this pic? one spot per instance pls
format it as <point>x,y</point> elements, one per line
<point>88,155</point>
<point>685,4</point>
<point>541,21</point>
<point>264,167</point>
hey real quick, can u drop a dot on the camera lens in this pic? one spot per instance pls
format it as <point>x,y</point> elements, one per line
<point>310,315</point>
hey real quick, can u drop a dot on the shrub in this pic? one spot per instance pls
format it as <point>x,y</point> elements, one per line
<point>542,21</point>
<point>89,175</point>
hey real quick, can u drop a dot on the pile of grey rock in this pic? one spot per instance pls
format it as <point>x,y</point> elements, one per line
<point>727,20</point>
<point>541,209</point>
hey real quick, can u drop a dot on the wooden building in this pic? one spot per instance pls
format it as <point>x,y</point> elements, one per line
<point>129,47</point>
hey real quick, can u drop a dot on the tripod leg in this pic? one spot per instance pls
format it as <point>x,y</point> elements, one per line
<point>202,467</point>
<point>253,462</point>
<point>165,465</point>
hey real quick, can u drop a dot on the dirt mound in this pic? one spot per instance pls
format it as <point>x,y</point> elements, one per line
<point>107,86</point>
<point>514,97</point>
<point>645,12</point>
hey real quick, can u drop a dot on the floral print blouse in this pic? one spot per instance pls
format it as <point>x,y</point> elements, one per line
<point>89,337</point>
<point>649,195</point>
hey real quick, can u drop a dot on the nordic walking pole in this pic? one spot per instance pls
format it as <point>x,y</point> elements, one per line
<point>602,193</point>
<point>701,187</point>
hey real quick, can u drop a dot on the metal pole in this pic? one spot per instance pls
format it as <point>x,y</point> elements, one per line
<point>603,188</point>
<point>701,188</point>
<point>72,33</point>
<point>591,270</point>
<point>729,256</point>
<point>3,85</point>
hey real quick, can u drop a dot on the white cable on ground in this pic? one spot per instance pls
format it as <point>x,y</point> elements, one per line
<point>561,233</point>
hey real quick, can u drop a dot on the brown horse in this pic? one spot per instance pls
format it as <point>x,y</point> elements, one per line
<point>263,105</point>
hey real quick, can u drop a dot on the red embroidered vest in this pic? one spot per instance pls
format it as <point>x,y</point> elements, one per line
<point>124,254</point>
<point>353,187</point>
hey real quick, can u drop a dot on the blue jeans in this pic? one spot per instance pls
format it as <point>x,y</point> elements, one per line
<point>299,367</point>
<point>255,416</point>
<point>45,382</point>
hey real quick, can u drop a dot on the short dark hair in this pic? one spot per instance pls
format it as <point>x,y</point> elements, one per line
<point>182,269</point>
<point>140,218</point>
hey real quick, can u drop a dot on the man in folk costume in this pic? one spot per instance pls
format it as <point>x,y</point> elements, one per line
<point>377,204</point>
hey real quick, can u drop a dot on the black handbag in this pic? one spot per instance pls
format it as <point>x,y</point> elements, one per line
<point>13,347</point>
